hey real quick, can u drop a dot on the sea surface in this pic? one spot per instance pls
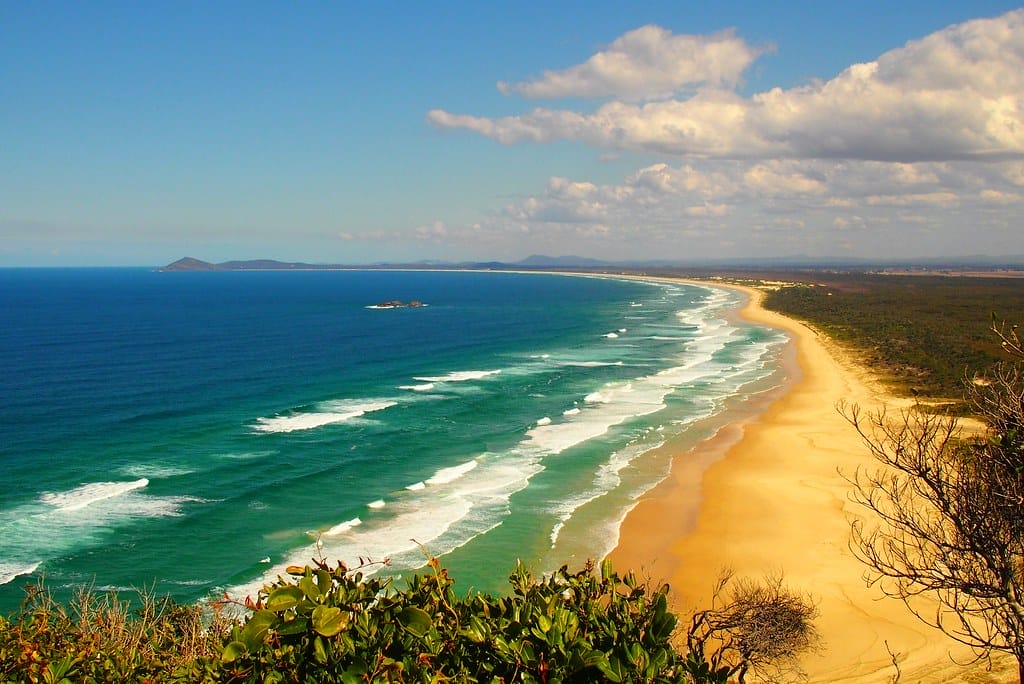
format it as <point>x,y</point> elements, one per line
<point>195,433</point>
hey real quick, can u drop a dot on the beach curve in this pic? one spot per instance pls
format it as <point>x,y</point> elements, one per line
<point>766,495</point>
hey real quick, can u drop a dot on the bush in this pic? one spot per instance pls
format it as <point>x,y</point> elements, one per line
<point>100,638</point>
<point>331,625</point>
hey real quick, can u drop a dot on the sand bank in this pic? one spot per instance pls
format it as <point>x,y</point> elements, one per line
<point>765,496</point>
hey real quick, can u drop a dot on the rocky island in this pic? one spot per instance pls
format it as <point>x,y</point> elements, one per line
<point>396,304</point>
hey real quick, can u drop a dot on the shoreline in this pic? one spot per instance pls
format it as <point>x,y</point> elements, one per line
<point>764,496</point>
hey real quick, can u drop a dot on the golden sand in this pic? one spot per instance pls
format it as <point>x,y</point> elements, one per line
<point>766,496</point>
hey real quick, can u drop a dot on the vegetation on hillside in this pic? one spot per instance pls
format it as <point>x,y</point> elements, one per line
<point>921,333</point>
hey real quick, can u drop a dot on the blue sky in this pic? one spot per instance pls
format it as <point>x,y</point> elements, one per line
<point>136,133</point>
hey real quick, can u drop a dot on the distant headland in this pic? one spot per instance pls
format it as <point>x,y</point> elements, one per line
<point>978,265</point>
<point>192,264</point>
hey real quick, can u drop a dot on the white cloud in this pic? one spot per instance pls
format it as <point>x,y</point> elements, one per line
<point>708,210</point>
<point>942,199</point>
<point>777,178</point>
<point>768,208</point>
<point>1000,197</point>
<point>646,63</point>
<point>435,232</point>
<point>957,94</point>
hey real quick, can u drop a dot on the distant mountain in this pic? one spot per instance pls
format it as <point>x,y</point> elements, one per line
<point>190,264</point>
<point>542,261</point>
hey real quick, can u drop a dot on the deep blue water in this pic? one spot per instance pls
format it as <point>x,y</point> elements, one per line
<point>196,432</point>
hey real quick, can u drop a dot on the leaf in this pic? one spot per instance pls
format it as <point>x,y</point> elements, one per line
<point>283,598</point>
<point>320,650</point>
<point>475,631</point>
<point>613,669</point>
<point>310,589</point>
<point>595,658</point>
<point>544,623</point>
<point>293,627</point>
<point>255,630</point>
<point>323,580</point>
<point>329,620</point>
<point>233,651</point>
<point>415,620</point>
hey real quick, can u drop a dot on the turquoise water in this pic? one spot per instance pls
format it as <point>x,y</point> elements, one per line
<point>198,432</point>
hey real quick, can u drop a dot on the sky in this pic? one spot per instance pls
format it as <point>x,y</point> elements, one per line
<point>136,133</point>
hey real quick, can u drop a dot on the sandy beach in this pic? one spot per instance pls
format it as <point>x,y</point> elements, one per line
<point>765,496</point>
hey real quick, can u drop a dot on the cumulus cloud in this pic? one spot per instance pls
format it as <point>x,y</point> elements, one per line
<point>957,94</point>
<point>767,207</point>
<point>435,232</point>
<point>942,199</point>
<point>1000,197</point>
<point>646,63</point>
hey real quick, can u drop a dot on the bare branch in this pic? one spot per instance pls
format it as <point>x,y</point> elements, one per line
<point>759,627</point>
<point>945,511</point>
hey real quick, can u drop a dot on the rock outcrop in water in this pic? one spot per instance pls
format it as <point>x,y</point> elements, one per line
<point>396,304</point>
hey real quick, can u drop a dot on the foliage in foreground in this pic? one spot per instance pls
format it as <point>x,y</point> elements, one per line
<point>98,637</point>
<point>329,624</point>
<point>570,627</point>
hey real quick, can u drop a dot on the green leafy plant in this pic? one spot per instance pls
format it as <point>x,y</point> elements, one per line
<point>324,623</point>
<point>327,624</point>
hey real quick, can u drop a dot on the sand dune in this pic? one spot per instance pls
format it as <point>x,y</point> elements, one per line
<point>765,496</point>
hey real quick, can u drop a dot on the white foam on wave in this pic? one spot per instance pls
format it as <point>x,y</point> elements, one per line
<point>153,470</point>
<point>328,413</point>
<point>590,364</point>
<point>575,411</point>
<point>11,571</point>
<point>606,479</point>
<point>543,421</point>
<point>555,531</point>
<point>611,335</point>
<point>425,387</point>
<point>342,528</point>
<point>458,376</point>
<point>446,475</point>
<point>379,503</point>
<point>618,403</point>
<point>247,455</point>
<point>60,522</point>
<point>88,494</point>
<point>452,514</point>
<point>416,486</point>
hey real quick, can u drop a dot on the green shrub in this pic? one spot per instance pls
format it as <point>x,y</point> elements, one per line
<point>329,625</point>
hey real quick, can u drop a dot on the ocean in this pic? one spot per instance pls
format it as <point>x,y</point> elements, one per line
<point>195,433</point>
